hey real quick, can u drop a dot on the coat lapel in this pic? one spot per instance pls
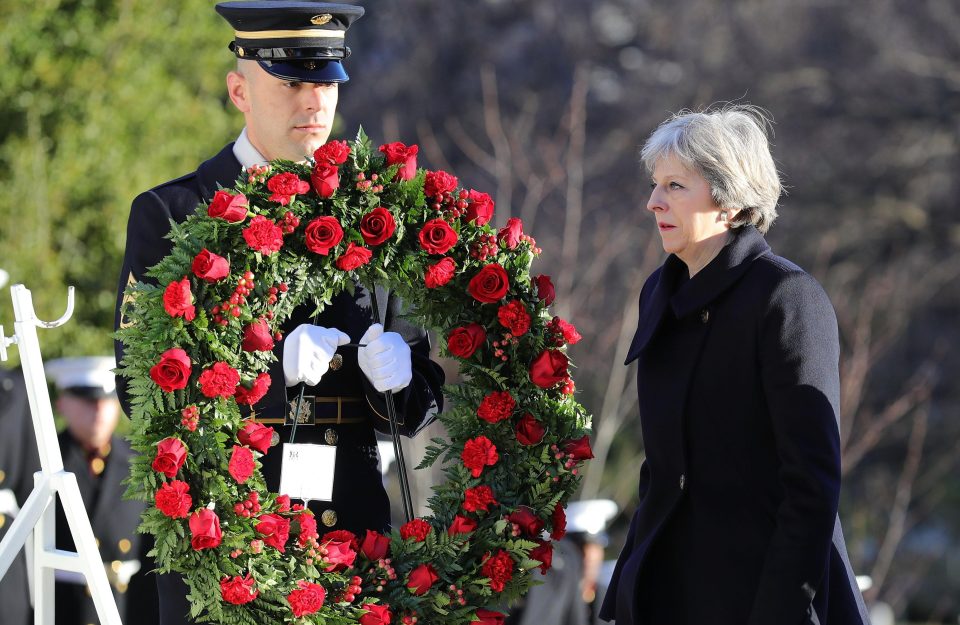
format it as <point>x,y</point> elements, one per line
<point>654,307</point>
<point>221,171</point>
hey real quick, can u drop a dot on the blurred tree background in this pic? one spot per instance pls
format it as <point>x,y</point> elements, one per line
<point>545,104</point>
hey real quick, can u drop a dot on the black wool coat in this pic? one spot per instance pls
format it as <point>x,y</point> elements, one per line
<point>738,385</point>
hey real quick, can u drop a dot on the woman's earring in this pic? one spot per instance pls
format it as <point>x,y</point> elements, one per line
<point>723,216</point>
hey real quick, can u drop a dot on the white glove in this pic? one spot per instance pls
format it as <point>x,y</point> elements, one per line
<point>307,352</point>
<point>385,359</point>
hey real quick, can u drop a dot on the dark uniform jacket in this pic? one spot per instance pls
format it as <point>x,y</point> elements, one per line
<point>359,499</point>
<point>739,390</point>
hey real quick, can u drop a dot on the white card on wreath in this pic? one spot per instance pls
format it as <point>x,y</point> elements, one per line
<point>307,471</point>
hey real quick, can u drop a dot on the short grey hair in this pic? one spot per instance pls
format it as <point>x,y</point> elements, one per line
<point>729,146</point>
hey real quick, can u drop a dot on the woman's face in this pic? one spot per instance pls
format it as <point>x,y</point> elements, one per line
<point>688,220</point>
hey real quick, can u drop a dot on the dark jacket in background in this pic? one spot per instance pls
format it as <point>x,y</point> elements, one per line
<point>739,392</point>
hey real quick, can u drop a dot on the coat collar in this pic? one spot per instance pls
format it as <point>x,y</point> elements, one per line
<point>745,246</point>
<point>221,171</point>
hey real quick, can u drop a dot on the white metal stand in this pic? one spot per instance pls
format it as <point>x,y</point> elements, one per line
<point>35,526</point>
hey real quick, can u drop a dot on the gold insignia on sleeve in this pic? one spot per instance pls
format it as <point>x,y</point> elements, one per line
<point>127,299</point>
<point>320,20</point>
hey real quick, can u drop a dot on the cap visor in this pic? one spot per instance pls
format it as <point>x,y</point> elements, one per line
<point>325,71</point>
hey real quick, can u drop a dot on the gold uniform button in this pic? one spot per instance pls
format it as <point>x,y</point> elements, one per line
<point>336,362</point>
<point>3,475</point>
<point>329,518</point>
<point>3,520</point>
<point>124,545</point>
<point>97,540</point>
<point>330,436</point>
<point>121,587</point>
<point>115,566</point>
<point>97,465</point>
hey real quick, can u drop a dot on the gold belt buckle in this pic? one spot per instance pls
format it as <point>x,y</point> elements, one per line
<point>307,415</point>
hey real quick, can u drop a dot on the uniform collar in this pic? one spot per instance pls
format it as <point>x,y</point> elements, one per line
<point>246,153</point>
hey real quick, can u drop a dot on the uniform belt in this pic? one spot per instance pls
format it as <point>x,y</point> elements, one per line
<point>319,410</point>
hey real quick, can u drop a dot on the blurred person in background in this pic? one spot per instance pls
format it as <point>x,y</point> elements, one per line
<point>738,386</point>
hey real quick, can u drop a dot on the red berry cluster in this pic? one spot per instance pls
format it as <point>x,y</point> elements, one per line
<point>289,222</point>
<point>526,238</point>
<point>386,572</point>
<point>272,295</point>
<point>410,619</point>
<point>363,184</point>
<point>456,596</point>
<point>257,173</point>
<point>231,308</point>
<point>498,346</point>
<point>569,464</point>
<point>351,590</point>
<point>453,205</point>
<point>191,418</point>
<point>484,246</point>
<point>249,507</point>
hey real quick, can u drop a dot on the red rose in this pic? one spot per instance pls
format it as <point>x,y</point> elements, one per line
<point>332,153</point>
<point>579,449</point>
<point>323,234</point>
<point>421,579</point>
<point>437,183</point>
<point>210,267</point>
<point>171,454</point>
<point>241,464</point>
<point>238,590</point>
<point>264,236</point>
<point>418,529</point>
<point>490,284</point>
<point>496,406</point>
<point>173,499</point>
<point>465,340</point>
<point>204,529</point>
<point>285,186</point>
<point>228,206</point>
<point>488,617</point>
<point>257,336</point>
<point>274,529</point>
<point>529,523</point>
<point>461,525</point>
<point>437,237</point>
<point>256,435</point>
<point>178,300</point>
<point>355,256</point>
<point>480,208</point>
<point>440,273</point>
<point>173,371</point>
<point>509,236</point>
<point>529,430</point>
<point>341,550</point>
<point>563,332</point>
<point>306,599</point>
<point>375,546</point>
<point>283,501</point>
<point>543,553</point>
<point>545,289</point>
<point>325,179</point>
<point>250,396</point>
<point>478,498</point>
<point>220,380</point>
<point>499,569</point>
<point>514,317</point>
<point>377,226</point>
<point>549,368</point>
<point>478,453</point>
<point>376,613</point>
<point>308,529</point>
<point>405,156</point>
<point>558,521</point>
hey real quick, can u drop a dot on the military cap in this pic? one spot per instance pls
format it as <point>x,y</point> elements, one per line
<point>293,40</point>
<point>91,377</point>
<point>590,516</point>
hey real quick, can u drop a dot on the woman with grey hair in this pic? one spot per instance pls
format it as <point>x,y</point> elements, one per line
<point>738,384</point>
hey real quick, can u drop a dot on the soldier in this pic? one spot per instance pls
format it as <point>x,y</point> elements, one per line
<point>286,85</point>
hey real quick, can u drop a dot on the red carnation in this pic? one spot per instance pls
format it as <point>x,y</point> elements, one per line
<point>376,613</point>
<point>558,521</point>
<point>529,523</point>
<point>332,153</point>
<point>257,336</point>
<point>437,183</point>
<point>440,273</point>
<point>325,179</point>
<point>418,529</point>
<point>250,396</point>
<point>171,454</point>
<point>437,237</point>
<point>227,206</point>
<point>220,380</point>
<point>499,569</point>
<point>543,553</point>
<point>511,235</point>
<point>256,435</point>
<point>465,340</point>
<point>264,236</point>
<point>496,406</point>
<point>374,546</point>
<point>210,267</point>
<point>205,529</point>
<point>545,290</point>
<point>480,208</point>
<point>461,525</point>
<point>341,550</point>
<point>355,256</point>
<point>579,449</point>
<point>377,226</point>
<point>323,234</point>
<point>478,453</point>
<point>274,529</point>
<point>178,300</point>
<point>238,590</point>
<point>488,617</point>
<point>285,186</point>
<point>306,599</point>
<point>173,371</point>
<point>421,579</point>
<point>478,498</point>
<point>529,430</point>
<point>563,332</point>
<point>403,155</point>
<point>549,368</point>
<point>173,499</point>
<point>282,501</point>
<point>490,284</point>
<point>241,464</point>
<point>514,317</point>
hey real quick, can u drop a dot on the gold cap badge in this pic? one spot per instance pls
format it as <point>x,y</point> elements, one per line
<point>320,20</point>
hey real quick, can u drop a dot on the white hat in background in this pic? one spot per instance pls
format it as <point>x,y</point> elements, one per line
<point>88,376</point>
<point>590,516</point>
<point>4,276</point>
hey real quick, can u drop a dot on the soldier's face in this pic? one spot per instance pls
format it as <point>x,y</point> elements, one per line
<point>90,421</point>
<point>284,119</point>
